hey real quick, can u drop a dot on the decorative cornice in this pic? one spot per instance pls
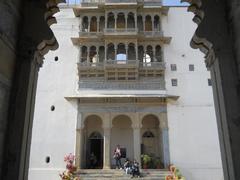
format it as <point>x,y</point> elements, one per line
<point>197,42</point>
<point>50,44</point>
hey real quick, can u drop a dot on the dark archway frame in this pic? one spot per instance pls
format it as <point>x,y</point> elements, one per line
<point>217,36</point>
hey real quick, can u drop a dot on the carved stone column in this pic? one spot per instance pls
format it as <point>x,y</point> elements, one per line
<point>126,47</point>
<point>98,21</point>
<point>105,52</point>
<point>135,19</point>
<point>154,54</point>
<point>136,49</point>
<point>107,141</point>
<point>79,148</point>
<point>137,139</point>
<point>106,20</point>
<point>164,138</point>
<point>126,21</point>
<point>80,24</point>
<point>89,23</point>
<point>97,55</point>
<point>88,54</point>
<point>79,141</point>
<point>115,20</point>
<point>144,24</point>
<point>115,49</point>
<point>80,53</point>
<point>152,19</point>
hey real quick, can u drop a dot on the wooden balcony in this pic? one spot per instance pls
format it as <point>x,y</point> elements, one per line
<point>153,65</point>
<point>121,64</point>
<point>121,32</point>
<point>121,69</point>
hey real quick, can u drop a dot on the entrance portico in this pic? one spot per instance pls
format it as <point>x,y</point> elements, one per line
<point>126,125</point>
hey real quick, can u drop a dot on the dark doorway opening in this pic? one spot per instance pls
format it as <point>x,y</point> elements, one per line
<point>95,151</point>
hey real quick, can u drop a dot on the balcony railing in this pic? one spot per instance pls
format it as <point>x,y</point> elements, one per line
<point>97,2</point>
<point>155,33</point>
<point>89,65</point>
<point>128,31</point>
<point>84,33</point>
<point>153,65</point>
<point>123,63</point>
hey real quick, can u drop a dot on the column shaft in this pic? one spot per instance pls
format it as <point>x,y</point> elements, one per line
<point>126,21</point>
<point>79,148</point>
<point>80,54</point>
<point>88,53</point>
<point>97,48</point>
<point>98,20</point>
<point>89,23</point>
<point>165,147</point>
<point>107,154</point>
<point>126,45</point>
<point>137,144</point>
<point>135,17</point>
<point>115,19</point>
<point>152,18</point>
<point>136,49</point>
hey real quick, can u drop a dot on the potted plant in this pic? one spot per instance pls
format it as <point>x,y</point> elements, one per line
<point>146,159</point>
<point>158,164</point>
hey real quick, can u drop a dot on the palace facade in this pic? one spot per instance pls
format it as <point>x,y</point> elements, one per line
<point>125,76</point>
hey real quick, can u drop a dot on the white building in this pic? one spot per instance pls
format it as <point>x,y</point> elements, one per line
<point>118,78</point>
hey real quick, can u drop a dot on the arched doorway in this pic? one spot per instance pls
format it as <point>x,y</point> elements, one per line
<point>93,142</point>
<point>151,140</point>
<point>149,143</point>
<point>122,134</point>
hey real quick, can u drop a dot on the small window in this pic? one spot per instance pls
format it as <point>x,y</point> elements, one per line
<point>173,67</point>
<point>174,82</point>
<point>47,160</point>
<point>191,67</point>
<point>209,82</point>
<point>56,58</point>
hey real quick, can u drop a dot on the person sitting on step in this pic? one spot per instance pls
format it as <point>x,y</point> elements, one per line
<point>135,169</point>
<point>127,166</point>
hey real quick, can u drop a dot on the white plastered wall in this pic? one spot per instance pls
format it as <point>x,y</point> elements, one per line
<point>54,132</point>
<point>193,136</point>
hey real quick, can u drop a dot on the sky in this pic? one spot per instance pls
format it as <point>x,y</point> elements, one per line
<point>165,2</point>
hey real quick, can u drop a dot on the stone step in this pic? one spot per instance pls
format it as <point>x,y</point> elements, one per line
<point>98,174</point>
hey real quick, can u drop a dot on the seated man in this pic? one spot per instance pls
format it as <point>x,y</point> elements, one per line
<point>135,169</point>
<point>127,166</point>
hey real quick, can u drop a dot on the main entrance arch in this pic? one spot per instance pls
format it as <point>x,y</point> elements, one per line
<point>122,134</point>
<point>94,142</point>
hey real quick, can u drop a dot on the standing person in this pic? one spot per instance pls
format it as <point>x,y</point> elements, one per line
<point>117,156</point>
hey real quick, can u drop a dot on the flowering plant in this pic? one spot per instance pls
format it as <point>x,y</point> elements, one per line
<point>68,174</point>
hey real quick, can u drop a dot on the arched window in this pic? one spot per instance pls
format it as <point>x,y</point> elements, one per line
<point>148,134</point>
<point>93,24</point>
<point>95,135</point>
<point>121,21</point>
<point>110,20</point>
<point>85,24</point>
<point>121,57</point>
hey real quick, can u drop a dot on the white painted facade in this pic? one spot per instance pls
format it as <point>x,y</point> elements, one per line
<point>192,129</point>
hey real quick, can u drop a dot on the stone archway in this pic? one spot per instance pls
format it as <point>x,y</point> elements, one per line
<point>223,76</point>
<point>122,134</point>
<point>93,143</point>
<point>151,137</point>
